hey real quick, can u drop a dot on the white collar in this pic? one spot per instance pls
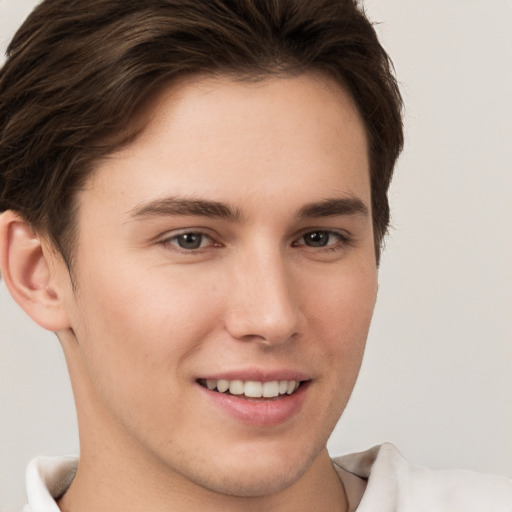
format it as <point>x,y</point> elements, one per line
<point>47,480</point>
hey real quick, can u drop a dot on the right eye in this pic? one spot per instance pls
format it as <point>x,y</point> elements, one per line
<point>189,241</point>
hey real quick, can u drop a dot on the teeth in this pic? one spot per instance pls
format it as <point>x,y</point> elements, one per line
<point>236,387</point>
<point>271,389</point>
<point>222,385</point>
<point>254,389</point>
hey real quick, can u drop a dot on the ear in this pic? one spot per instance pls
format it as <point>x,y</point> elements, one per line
<point>28,274</point>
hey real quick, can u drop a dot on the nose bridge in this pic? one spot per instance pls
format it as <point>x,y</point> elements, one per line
<point>263,304</point>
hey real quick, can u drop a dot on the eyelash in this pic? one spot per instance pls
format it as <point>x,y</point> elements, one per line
<point>169,241</point>
<point>343,240</point>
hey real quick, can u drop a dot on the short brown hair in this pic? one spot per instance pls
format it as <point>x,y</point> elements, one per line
<point>78,71</point>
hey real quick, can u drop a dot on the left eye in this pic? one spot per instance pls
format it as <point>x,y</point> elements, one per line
<point>320,238</point>
<point>190,241</point>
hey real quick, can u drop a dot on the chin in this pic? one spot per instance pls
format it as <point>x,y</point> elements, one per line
<point>254,475</point>
<point>249,483</point>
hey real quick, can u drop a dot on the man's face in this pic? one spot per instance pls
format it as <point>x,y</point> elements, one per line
<point>230,245</point>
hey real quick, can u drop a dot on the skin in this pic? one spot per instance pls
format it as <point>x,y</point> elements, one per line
<point>149,317</point>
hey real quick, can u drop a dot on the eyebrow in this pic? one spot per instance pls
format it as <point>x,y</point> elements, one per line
<point>214,209</point>
<point>334,207</point>
<point>186,206</point>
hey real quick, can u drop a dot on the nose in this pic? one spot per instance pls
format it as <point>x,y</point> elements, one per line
<point>263,305</point>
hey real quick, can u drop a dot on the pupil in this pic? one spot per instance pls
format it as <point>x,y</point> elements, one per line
<point>190,241</point>
<point>317,239</point>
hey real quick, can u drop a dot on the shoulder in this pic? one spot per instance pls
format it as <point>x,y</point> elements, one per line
<point>395,485</point>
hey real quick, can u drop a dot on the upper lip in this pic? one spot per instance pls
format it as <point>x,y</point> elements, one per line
<point>258,375</point>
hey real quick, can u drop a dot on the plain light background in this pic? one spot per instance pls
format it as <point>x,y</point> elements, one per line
<point>437,379</point>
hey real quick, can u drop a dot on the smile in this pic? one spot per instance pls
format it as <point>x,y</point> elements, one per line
<point>253,402</point>
<point>252,389</point>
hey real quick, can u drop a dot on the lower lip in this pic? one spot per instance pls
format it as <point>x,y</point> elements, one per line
<point>256,412</point>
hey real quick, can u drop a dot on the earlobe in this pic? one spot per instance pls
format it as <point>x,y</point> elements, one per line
<point>27,273</point>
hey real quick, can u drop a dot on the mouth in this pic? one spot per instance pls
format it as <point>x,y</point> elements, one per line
<point>257,403</point>
<point>253,389</point>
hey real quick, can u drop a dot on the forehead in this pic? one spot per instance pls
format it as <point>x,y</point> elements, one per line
<point>234,139</point>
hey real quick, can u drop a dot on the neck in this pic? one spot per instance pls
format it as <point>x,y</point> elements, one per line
<point>131,487</point>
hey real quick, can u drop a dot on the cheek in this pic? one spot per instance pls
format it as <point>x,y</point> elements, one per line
<point>340,317</point>
<point>132,329</point>
<point>347,298</point>
<point>138,349</point>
